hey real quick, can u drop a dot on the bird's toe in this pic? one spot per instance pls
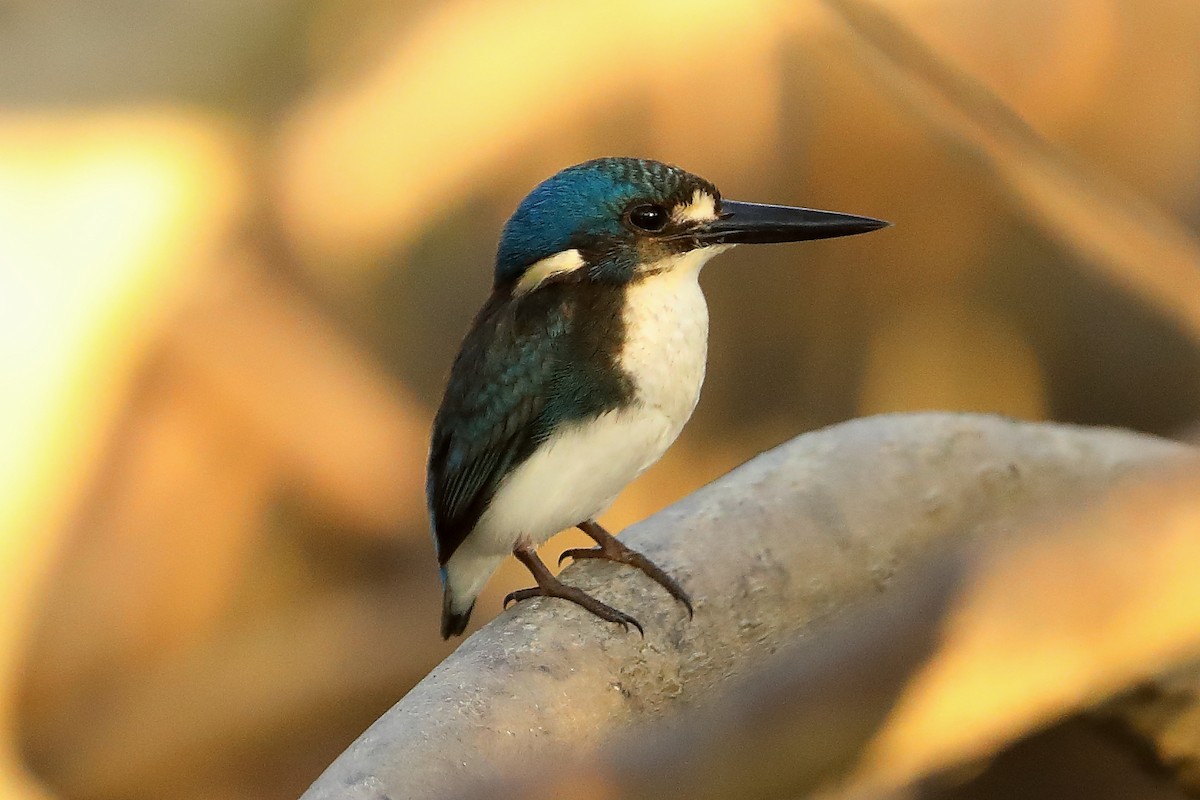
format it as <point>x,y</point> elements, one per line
<point>521,594</point>
<point>580,553</point>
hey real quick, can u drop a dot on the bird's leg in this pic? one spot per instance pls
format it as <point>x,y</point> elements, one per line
<point>612,550</point>
<point>550,586</point>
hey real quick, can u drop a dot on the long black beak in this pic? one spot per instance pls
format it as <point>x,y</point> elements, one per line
<point>754,223</point>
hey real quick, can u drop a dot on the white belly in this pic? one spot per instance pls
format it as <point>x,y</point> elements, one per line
<point>577,474</point>
<point>572,478</point>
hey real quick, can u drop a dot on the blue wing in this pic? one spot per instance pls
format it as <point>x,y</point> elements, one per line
<point>489,419</point>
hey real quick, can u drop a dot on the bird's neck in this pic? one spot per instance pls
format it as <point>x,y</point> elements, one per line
<point>665,340</point>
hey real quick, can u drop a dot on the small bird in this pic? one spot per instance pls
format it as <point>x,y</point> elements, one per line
<point>582,367</point>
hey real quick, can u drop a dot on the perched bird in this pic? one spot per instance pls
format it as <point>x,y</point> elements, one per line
<point>582,367</point>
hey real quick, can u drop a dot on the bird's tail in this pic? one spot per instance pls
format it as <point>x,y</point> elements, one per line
<point>463,577</point>
<point>453,622</point>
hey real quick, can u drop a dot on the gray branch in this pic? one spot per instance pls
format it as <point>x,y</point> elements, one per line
<point>809,529</point>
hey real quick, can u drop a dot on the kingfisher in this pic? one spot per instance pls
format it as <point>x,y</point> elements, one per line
<point>582,368</point>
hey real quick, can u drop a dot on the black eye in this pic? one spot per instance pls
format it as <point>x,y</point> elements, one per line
<point>648,218</point>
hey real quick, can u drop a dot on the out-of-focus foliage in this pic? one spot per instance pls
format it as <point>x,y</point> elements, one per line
<point>239,243</point>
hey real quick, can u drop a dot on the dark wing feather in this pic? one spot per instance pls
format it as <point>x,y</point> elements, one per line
<point>489,418</point>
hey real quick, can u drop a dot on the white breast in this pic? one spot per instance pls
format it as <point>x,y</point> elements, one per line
<point>666,341</point>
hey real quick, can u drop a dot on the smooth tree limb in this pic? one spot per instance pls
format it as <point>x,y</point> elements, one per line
<point>816,529</point>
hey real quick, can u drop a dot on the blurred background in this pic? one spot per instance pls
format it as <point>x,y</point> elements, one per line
<point>240,243</point>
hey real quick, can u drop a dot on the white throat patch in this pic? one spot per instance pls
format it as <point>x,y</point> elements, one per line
<point>684,264</point>
<point>541,271</point>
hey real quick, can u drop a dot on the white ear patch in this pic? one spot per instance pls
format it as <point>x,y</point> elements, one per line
<point>701,208</point>
<point>541,271</point>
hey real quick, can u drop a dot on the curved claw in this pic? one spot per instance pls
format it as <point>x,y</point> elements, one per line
<point>637,625</point>
<point>519,595</point>
<point>579,553</point>
<point>624,620</point>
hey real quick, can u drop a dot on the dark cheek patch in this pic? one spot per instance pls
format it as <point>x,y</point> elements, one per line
<point>650,251</point>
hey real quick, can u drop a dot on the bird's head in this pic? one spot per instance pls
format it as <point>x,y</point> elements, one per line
<point>614,220</point>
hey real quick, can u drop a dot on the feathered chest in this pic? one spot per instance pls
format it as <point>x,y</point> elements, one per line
<point>665,345</point>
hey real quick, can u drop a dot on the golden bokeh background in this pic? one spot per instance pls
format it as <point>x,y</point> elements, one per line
<point>240,242</point>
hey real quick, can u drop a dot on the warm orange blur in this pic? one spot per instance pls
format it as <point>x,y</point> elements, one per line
<point>239,244</point>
